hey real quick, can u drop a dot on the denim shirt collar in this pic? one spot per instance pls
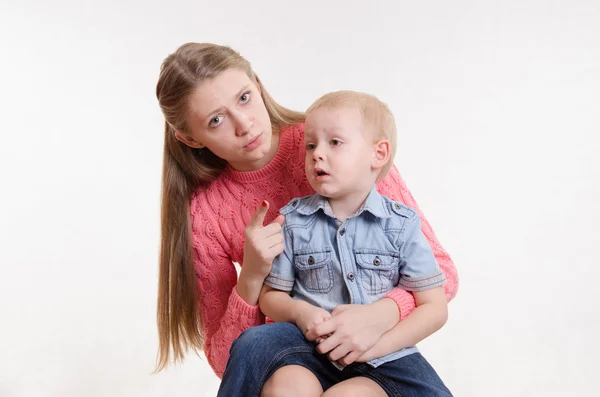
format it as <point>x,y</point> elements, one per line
<point>373,204</point>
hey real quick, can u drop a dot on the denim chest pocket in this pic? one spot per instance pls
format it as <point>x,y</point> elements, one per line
<point>315,270</point>
<point>378,269</point>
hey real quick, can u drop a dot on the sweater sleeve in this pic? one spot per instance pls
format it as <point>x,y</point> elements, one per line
<point>225,315</point>
<point>394,187</point>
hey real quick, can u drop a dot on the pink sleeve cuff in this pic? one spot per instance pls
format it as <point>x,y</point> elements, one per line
<point>248,315</point>
<point>404,299</point>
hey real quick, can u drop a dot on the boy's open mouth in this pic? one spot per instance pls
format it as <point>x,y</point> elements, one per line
<point>320,172</point>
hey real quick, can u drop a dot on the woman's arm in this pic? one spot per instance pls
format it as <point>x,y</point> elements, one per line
<point>394,187</point>
<point>229,307</point>
<point>225,315</point>
<point>261,245</point>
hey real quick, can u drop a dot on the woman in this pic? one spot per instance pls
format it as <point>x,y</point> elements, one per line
<point>232,158</point>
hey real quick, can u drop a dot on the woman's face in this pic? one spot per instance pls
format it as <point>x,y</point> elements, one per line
<point>228,116</point>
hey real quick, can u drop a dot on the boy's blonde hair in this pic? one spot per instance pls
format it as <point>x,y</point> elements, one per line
<point>376,117</point>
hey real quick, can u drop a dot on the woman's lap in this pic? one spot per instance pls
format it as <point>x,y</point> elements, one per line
<point>260,351</point>
<point>408,376</point>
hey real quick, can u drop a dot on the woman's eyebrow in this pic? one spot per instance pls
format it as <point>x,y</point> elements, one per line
<point>221,108</point>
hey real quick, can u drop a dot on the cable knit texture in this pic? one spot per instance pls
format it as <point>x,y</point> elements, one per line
<point>219,214</point>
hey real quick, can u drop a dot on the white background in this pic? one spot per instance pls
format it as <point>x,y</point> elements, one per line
<point>498,110</point>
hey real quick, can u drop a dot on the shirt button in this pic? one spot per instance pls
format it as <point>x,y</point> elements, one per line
<point>376,261</point>
<point>311,260</point>
<point>342,231</point>
<point>350,276</point>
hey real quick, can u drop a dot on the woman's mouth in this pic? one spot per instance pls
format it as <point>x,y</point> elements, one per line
<point>254,143</point>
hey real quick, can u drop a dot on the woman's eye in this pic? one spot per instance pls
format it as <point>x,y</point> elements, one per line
<point>245,97</point>
<point>215,121</point>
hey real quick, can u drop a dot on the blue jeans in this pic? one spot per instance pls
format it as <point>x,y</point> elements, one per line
<point>261,350</point>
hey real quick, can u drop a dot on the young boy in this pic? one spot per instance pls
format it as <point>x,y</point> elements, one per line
<point>348,244</point>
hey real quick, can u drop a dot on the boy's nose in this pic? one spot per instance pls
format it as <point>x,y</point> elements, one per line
<point>317,154</point>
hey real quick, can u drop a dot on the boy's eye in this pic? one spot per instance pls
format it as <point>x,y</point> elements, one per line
<point>245,97</point>
<point>310,146</point>
<point>336,142</point>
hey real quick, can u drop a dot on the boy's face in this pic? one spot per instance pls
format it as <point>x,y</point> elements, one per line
<point>339,153</point>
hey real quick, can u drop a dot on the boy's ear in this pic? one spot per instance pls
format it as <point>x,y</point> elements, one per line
<point>188,140</point>
<point>381,154</point>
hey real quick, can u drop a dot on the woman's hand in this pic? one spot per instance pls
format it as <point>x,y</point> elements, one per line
<point>368,356</point>
<point>354,329</point>
<point>261,245</point>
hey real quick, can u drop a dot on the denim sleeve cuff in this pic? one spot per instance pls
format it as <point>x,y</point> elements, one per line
<point>423,283</point>
<point>279,282</point>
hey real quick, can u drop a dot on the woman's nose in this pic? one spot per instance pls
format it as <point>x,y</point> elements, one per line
<point>243,123</point>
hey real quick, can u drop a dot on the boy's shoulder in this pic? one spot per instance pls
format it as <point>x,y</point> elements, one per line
<point>393,217</point>
<point>389,209</point>
<point>398,208</point>
<point>294,204</point>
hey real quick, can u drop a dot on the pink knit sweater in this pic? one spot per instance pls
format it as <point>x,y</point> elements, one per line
<point>219,214</point>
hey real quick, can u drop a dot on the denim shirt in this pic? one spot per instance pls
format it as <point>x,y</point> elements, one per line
<point>327,262</point>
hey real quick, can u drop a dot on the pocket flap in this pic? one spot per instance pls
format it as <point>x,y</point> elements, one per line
<point>373,259</point>
<point>312,259</point>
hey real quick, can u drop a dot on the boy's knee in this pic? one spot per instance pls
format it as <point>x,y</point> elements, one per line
<point>356,387</point>
<point>292,381</point>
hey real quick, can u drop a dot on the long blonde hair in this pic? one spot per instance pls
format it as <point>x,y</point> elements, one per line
<point>184,171</point>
